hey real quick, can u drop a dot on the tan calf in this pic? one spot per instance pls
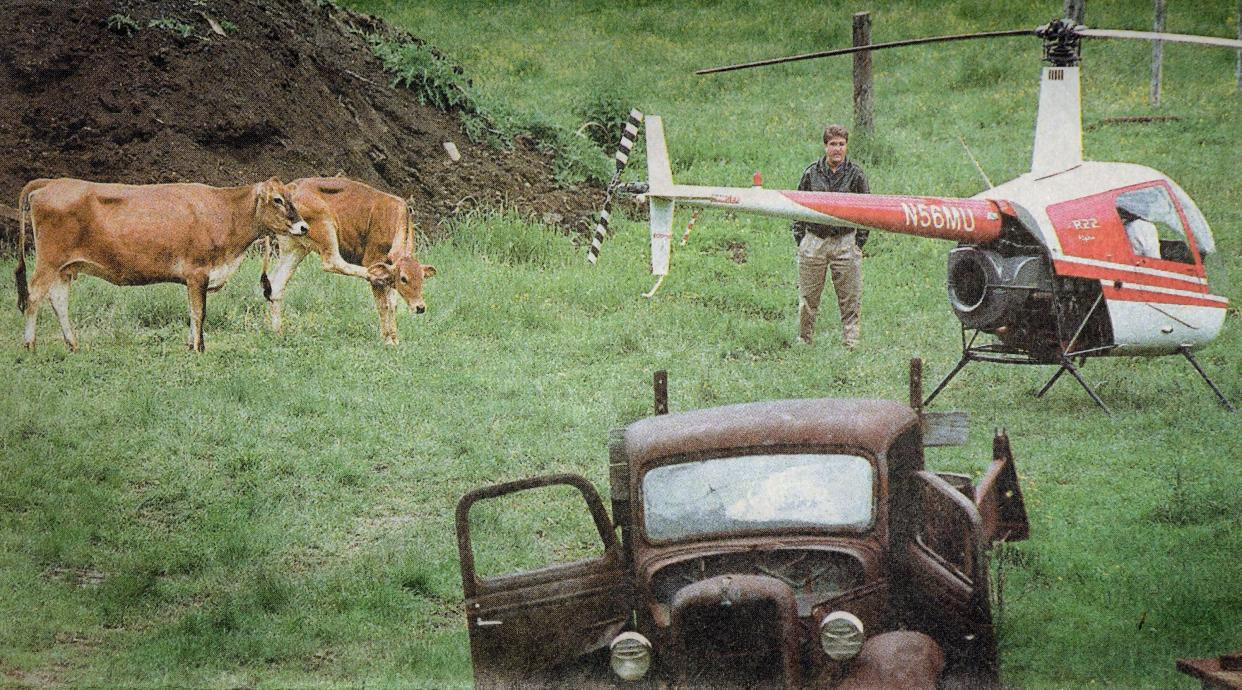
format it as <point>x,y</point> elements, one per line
<point>141,234</point>
<point>357,231</point>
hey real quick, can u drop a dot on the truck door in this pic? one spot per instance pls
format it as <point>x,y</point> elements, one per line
<point>946,564</point>
<point>525,625</point>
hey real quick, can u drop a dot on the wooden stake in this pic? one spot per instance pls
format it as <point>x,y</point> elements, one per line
<point>1157,54</point>
<point>864,109</point>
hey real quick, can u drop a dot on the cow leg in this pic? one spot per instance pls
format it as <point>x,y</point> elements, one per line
<point>40,284</point>
<point>196,289</point>
<point>290,256</point>
<point>384,306</point>
<point>337,264</point>
<point>392,314</point>
<point>59,296</point>
<point>332,260</point>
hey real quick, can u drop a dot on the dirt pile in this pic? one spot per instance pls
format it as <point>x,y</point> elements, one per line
<point>230,92</point>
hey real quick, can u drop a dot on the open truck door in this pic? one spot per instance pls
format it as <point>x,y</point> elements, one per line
<point>999,498</point>
<point>525,625</point>
<point>947,558</point>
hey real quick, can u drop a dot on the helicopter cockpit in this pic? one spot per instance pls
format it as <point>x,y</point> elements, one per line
<point>1154,227</point>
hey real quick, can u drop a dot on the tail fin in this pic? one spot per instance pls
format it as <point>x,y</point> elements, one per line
<point>660,180</point>
<point>23,210</point>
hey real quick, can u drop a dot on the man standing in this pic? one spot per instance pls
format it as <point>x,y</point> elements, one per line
<point>821,247</point>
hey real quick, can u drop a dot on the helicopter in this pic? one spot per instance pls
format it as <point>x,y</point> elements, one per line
<point>1050,268</point>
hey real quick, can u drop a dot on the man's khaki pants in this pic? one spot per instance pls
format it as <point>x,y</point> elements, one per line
<point>815,257</point>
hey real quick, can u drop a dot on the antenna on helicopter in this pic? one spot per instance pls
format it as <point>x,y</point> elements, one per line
<point>974,160</point>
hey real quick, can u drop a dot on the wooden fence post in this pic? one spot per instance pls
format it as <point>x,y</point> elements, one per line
<point>1157,54</point>
<point>1073,9</point>
<point>864,109</point>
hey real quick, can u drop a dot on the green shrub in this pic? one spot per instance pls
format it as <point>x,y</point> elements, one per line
<point>121,24</point>
<point>432,77</point>
<point>603,116</point>
<point>173,26</point>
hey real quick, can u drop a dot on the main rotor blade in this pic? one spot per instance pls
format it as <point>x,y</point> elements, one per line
<point>873,46</point>
<point>1156,36</point>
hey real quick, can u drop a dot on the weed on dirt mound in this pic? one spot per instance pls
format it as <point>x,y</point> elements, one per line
<point>231,92</point>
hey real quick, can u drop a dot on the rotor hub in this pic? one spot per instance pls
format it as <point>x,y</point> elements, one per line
<point>1062,42</point>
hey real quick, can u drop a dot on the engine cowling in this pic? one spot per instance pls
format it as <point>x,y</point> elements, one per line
<point>989,291</point>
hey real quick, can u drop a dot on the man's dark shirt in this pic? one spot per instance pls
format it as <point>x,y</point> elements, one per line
<point>818,177</point>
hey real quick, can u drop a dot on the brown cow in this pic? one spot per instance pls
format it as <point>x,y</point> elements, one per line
<point>351,224</point>
<point>141,234</point>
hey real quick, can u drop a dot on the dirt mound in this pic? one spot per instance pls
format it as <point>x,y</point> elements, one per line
<point>230,92</point>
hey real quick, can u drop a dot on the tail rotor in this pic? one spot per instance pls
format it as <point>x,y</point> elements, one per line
<point>632,123</point>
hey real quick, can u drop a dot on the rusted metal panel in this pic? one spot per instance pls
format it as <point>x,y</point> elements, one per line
<point>999,497</point>
<point>660,384</point>
<point>945,428</point>
<point>867,424</point>
<point>1219,673</point>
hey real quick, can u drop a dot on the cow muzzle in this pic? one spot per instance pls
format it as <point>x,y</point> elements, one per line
<point>299,228</point>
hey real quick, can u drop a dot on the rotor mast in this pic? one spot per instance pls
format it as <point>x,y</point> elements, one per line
<point>1058,124</point>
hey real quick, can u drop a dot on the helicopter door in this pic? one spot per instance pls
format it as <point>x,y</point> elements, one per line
<point>948,574</point>
<point>524,624</point>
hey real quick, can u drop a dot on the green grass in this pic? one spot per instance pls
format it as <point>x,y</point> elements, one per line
<point>278,511</point>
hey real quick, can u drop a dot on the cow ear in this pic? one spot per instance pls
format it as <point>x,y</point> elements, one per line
<point>381,274</point>
<point>266,190</point>
<point>429,271</point>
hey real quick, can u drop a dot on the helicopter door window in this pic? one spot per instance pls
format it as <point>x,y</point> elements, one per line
<point>1153,225</point>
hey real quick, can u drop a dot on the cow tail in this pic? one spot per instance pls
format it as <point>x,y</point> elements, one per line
<point>23,210</point>
<point>267,284</point>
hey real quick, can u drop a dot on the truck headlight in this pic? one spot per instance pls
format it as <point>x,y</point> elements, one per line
<point>630,655</point>
<point>841,635</point>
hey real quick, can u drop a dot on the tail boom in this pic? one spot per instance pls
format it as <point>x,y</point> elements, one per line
<point>974,221</point>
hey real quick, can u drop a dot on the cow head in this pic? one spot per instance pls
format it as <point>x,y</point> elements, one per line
<point>406,276</point>
<point>275,211</point>
<point>314,209</point>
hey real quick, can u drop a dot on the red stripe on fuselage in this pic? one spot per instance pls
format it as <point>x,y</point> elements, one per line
<point>1127,274</point>
<point>1127,294</point>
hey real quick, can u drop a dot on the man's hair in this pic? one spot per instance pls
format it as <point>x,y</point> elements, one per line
<point>834,131</point>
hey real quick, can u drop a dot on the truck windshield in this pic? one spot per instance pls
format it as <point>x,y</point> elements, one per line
<point>758,492</point>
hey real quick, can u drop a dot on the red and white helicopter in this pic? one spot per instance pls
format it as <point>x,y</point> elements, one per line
<point>1050,267</point>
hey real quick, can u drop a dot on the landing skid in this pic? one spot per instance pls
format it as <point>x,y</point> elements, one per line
<point>1000,354</point>
<point>1068,365</point>
<point>1220,396</point>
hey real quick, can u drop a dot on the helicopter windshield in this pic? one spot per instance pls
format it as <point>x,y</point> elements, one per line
<point>1194,217</point>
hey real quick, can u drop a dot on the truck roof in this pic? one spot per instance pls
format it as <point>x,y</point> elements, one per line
<point>869,424</point>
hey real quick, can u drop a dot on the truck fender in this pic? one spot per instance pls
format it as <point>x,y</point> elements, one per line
<point>898,660</point>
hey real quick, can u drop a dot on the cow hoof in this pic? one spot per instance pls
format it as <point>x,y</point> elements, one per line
<point>30,346</point>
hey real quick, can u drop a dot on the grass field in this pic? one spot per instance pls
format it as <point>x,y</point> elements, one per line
<point>277,512</point>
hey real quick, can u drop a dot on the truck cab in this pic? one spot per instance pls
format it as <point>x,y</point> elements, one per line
<point>780,544</point>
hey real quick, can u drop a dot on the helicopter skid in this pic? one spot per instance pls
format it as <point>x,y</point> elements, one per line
<point>1001,354</point>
